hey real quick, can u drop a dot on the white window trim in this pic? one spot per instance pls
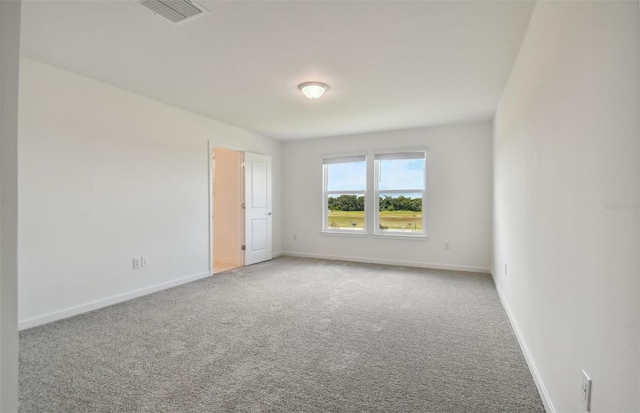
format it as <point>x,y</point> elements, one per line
<point>326,229</point>
<point>400,236</point>
<point>384,151</point>
<point>376,196</point>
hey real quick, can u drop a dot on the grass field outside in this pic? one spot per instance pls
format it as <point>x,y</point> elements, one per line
<point>393,221</point>
<point>346,219</point>
<point>401,221</point>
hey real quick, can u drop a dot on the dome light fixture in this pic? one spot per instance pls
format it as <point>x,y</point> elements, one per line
<point>313,90</point>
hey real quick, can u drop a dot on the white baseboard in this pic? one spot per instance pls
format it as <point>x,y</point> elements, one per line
<point>105,302</point>
<point>546,400</point>
<point>276,254</point>
<point>389,262</point>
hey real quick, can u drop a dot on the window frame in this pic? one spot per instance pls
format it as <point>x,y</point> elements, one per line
<point>390,154</point>
<point>357,157</point>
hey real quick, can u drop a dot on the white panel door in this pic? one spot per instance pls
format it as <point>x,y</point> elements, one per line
<point>258,217</point>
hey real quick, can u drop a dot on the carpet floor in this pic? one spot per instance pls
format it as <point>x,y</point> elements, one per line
<point>288,335</point>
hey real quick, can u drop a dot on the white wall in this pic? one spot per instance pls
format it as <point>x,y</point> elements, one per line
<point>9,74</point>
<point>566,199</point>
<point>458,202</point>
<point>106,175</point>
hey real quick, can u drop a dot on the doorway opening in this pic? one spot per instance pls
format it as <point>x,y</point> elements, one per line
<point>227,214</point>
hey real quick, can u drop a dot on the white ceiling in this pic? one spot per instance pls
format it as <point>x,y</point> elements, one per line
<point>388,64</point>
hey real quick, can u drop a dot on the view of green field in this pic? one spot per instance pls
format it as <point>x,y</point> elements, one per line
<point>393,221</point>
<point>346,219</point>
<point>405,221</point>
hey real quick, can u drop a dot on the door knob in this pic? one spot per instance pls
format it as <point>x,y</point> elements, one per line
<point>269,213</point>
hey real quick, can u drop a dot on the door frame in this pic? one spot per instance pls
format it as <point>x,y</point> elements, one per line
<point>215,144</point>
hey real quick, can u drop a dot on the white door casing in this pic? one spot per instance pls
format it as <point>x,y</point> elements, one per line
<point>258,213</point>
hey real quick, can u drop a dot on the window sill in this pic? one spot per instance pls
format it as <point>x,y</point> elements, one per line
<point>345,234</point>
<point>421,237</point>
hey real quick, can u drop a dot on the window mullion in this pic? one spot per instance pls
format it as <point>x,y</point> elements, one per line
<point>345,192</point>
<point>401,191</point>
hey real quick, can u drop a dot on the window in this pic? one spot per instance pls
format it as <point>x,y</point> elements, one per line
<point>345,184</point>
<point>399,193</point>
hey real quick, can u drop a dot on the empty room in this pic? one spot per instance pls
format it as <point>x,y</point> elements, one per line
<point>319,206</point>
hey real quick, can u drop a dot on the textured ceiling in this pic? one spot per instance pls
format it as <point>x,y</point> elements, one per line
<point>389,64</point>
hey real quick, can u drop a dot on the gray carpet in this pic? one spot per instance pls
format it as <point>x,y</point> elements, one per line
<point>289,335</point>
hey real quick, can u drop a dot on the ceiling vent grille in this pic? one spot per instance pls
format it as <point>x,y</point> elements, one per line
<point>175,11</point>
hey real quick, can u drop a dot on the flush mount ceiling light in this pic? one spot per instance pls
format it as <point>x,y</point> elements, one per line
<point>313,90</point>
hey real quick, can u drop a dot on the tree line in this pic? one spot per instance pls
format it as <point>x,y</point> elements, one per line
<point>387,203</point>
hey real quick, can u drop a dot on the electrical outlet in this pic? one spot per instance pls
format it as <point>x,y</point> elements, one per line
<point>136,263</point>
<point>144,261</point>
<point>586,391</point>
<point>447,246</point>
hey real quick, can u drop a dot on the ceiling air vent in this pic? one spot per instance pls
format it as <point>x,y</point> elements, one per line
<point>175,11</point>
